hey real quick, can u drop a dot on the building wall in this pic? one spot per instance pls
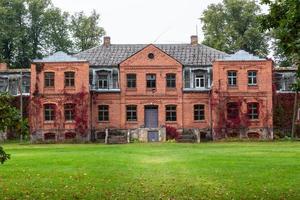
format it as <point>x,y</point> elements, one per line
<point>58,96</point>
<point>243,93</point>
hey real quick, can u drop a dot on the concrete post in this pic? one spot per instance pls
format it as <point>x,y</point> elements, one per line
<point>128,136</point>
<point>106,136</point>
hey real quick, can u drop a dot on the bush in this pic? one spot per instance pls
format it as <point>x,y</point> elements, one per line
<point>171,133</point>
<point>3,156</point>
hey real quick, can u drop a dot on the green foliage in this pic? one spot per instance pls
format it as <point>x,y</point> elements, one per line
<point>9,115</point>
<point>3,156</point>
<point>86,31</point>
<point>31,29</point>
<point>283,20</point>
<point>233,25</point>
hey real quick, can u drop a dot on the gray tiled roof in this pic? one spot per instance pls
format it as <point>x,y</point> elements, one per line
<point>186,54</point>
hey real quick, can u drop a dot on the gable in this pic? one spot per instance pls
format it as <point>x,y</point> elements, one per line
<point>150,56</point>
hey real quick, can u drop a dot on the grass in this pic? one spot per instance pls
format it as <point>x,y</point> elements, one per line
<point>236,170</point>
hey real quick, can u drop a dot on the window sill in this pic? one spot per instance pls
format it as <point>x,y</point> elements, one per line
<point>69,122</point>
<point>253,86</point>
<point>171,122</point>
<point>200,121</point>
<point>70,88</point>
<point>103,122</point>
<point>131,122</point>
<point>171,89</point>
<point>49,122</point>
<point>131,89</point>
<point>49,88</point>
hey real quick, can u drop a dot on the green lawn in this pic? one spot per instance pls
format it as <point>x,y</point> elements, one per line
<point>244,170</point>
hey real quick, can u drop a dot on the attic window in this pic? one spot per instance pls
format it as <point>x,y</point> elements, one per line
<point>150,55</point>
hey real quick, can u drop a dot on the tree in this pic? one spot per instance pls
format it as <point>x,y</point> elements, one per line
<point>233,25</point>
<point>283,20</point>
<point>57,31</point>
<point>9,117</point>
<point>86,31</point>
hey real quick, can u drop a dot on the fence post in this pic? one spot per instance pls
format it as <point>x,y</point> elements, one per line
<point>106,136</point>
<point>128,136</point>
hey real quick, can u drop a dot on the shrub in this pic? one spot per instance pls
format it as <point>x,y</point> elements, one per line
<point>171,133</point>
<point>3,156</point>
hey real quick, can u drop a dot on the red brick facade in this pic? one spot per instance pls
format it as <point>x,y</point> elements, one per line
<point>148,91</point>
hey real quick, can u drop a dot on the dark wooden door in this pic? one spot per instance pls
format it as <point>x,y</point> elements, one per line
<point>151,117</point>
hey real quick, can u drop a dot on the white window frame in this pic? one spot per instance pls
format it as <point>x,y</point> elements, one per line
<point>252,77</point>
<point>198,79</point>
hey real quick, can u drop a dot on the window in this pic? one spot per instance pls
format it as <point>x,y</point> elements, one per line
<point>232,110</point>
<point>69,79</point>
<point>69,112</point>
<point>26,84</point>
<point>199,81</point>
<point>252,77</point>
<point>131,113</point>
<point>253,110</point>
<point>232,76</point>
<point>103,112</point>
<point>103,81</point>
<point>3,85</point>
<point>131,80</point>
<point>199,112</point>
<point>49,112</point>
<point>49,79</point>
<point>171,113</point>
<point>151,80</point>
<point>171,80</point>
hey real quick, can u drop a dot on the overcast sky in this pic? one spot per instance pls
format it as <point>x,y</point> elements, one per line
<point>140,21</point>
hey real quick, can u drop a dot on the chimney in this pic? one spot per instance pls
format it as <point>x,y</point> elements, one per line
<point>3,66</point>
<point>106,42</point>
<point>194,40</point>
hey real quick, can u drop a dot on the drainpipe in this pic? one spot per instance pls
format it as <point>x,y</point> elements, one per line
<point>92,138</point>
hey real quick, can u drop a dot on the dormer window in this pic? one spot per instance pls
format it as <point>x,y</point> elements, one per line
<point>103,81</point>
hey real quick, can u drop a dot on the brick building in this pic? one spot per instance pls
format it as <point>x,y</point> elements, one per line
<point>141,89</point>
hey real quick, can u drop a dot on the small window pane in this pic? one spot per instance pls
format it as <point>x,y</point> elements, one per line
<point>253,110</point>
<point>252,78</point>
<point>103,113</point>
<point>69,79</point>
<point>232,78</point>
<point>151,80</point>
<point>69,112</point>
<point>199,112</point>
<point>49,112</point>
<point>171,113</point>
<point>131,113</point>
<point>131,80</point>
<point>171,80</point>
<point>49,79</point>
